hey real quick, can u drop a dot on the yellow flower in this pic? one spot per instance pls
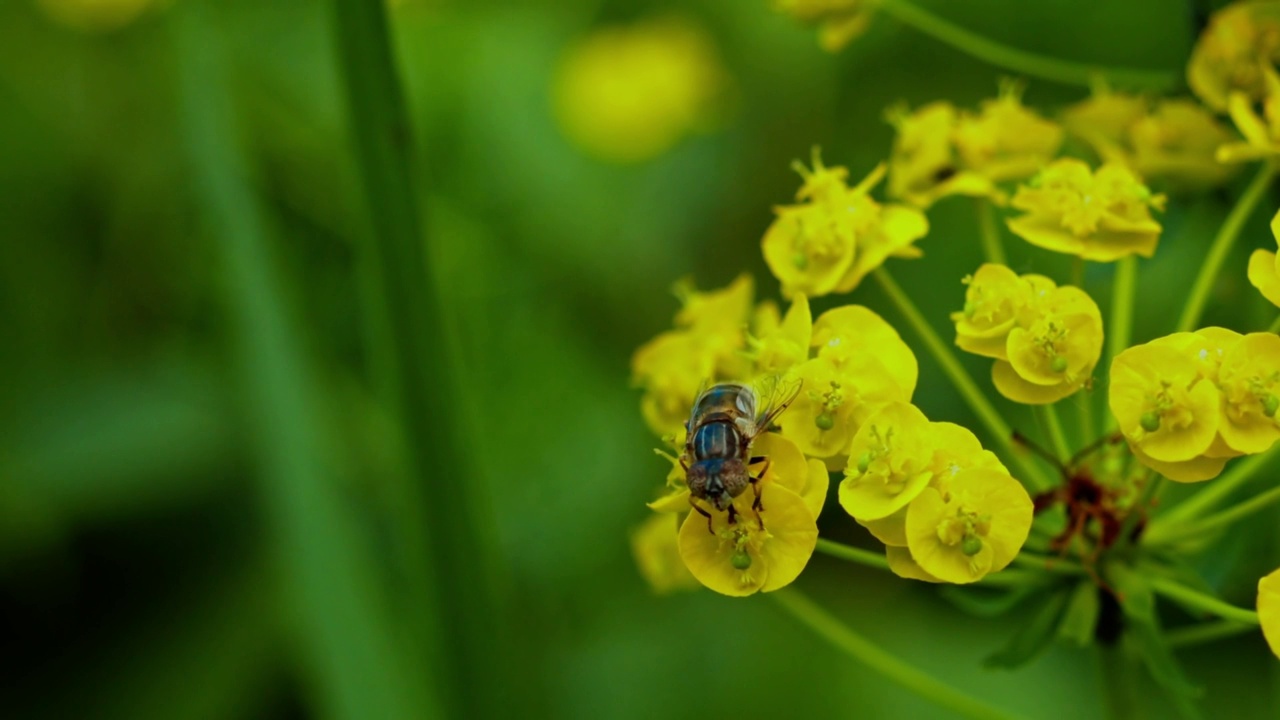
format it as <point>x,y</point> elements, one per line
<point>706,346</point>
<point>1249,379</point>
<point>923,167</point>
<point>628,94</point>
<point>783,344</point>
<point>670,368</point>
<point>653,544</point>
<point>993,301</point>
<point>940,450</point>
<point>1269,610</point>
<point>1241,40</point>
<point>890,462</point>
<point>1178,143</point>
<point>1264,267</point>
<point>1004,140</point>
<point>96,15</point>
<point>1100,216</point>
<point>1103,120</point>
<point>1052,352</point>
<point>1261,133</point>
<point>974,528</point>
<point>752,554</point>
<point>840,21</point>
<point>905,566</point>
<point>837,397</point>
<point>1164,407</point>
<point>846,334</point>
<point>838,234</point>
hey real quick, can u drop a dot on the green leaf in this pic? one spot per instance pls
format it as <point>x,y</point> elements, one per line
<point>1143,630</point>
<point>1081,616</point>
<point>1033,637</point>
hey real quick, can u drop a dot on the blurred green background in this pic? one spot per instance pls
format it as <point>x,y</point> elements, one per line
<point>154,564</point>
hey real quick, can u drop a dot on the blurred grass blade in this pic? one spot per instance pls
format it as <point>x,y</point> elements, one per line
<point>1142,626</point>
<point>352,663</point>
<point>408,338</point>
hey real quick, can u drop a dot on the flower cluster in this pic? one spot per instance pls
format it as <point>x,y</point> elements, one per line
<point>630,93</point>
<point>1045,339</point>
<point>1232,55</point>
<point>1102,216</point>
<point>835,235</point>
<point>1189,402</point>
<point>946,510</point>
<point>848,364</point>
<point>1171,140</point>
<point>940,151</point>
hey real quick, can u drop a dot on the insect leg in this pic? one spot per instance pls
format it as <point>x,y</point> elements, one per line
<point>755,485</point>
<point>757,460</point>
<point>733,515</point>
<point>703,513</point>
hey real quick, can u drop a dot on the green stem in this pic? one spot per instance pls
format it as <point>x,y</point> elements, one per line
<point>1057,435</point>
<point>1049,564</point>
<point>1021,61</point>
<point>852,554</point>
<point>409,334</point>
<point>1084,412</point>
<point>864,651</point>
<point>1137,510</point>
<point>1205,632</point>
<point>1274,327</point>
<point>1121,330</point>
<point>1172,533</point>
<point>1221,247</point>
<point>1197,600</point>
<point>1119,682</point>
<point>1239,474</point>
<point>992,247</point>
<point>959,377</point>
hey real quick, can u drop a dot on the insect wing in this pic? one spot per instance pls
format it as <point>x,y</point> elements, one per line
<point>777,393</point>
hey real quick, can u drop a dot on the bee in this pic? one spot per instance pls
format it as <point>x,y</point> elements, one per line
<point>725,420</point>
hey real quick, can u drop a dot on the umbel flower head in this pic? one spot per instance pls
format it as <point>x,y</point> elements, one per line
<point>1045,339</point>
<point>839,21</point>
<point>939,151</point>
<point>1242,39</point>
<point>1102,216</point>
<point>628,94</point>
<point>837,234</point>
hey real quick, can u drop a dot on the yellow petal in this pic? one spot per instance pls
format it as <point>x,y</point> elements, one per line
<point>778,553</point>
<point>815,490</point>
<point>1269,610</point>
<point>787,465</point>
<point>1262,275</point>
<point>1013,386</point>
<point>653,545</point>
<point>905,566</point>
<point>891,530</point>
<point>850,331</point>
<point>1196,469</point>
